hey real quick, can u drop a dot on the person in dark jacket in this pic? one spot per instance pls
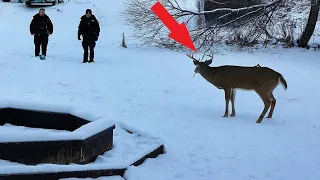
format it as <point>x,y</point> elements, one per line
<point>89,28</point>
<point>41,28</point>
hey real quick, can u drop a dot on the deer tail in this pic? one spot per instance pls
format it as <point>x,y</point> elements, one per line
<point>282,81</point>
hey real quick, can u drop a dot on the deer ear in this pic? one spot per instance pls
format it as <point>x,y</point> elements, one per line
<point>208,62</point>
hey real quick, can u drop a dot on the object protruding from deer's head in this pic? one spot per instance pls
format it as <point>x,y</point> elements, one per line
<point>200,63</point>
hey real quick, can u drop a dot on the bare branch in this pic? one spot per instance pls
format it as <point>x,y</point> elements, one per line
<point>242,25</point>
<point>226,10</point>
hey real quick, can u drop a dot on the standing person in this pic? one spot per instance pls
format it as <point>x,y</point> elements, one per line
<point>41,28</point>
<point>89,28</point>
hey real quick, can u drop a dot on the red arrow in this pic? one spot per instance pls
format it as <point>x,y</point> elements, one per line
<point>178,32</point>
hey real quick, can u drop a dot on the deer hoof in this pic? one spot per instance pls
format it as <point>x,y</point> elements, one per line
<point>226,115</point>
<point>232,115</point>
<point>269,117</point>
<point>258,121</point>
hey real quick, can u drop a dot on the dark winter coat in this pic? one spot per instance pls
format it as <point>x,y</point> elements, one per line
<point>41,25</point>
<point>89,28</point>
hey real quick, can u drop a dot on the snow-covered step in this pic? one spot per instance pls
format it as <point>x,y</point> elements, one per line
<point>131,147</point>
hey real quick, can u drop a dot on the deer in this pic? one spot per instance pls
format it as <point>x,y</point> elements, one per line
<point>262,80</point>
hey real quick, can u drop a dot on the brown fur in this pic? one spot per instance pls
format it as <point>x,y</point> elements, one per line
<point>262,80</point>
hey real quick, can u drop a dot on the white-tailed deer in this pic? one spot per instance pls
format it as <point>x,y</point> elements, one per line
<point>262,80</point>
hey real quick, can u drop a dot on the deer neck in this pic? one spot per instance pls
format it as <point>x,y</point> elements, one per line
<point>208,74</point>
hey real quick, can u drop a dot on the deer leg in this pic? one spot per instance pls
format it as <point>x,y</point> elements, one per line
<point>273,105</point>
<point>233,96</point>
<point>265,98</point>
<point>227,93</point>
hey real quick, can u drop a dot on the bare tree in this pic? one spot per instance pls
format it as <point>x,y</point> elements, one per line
<point>243,29</point>
<point>311,24</point>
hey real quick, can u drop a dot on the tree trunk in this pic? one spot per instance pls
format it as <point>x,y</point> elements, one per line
<point>311,24</point>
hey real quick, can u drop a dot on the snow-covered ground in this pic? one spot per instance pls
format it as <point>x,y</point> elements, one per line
<point>101,178</point>
<point>154,91</point>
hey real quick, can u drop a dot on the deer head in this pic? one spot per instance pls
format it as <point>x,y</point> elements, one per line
<point>200,63</point>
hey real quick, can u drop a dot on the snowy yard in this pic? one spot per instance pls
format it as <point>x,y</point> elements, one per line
<point>153,90</point>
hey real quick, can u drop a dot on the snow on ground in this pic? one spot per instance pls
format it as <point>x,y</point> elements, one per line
<point>101,178</point>
<point>153,90</point>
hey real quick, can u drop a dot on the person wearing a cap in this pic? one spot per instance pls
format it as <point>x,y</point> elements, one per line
<point>41,28</point>
<point>89,29</point>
